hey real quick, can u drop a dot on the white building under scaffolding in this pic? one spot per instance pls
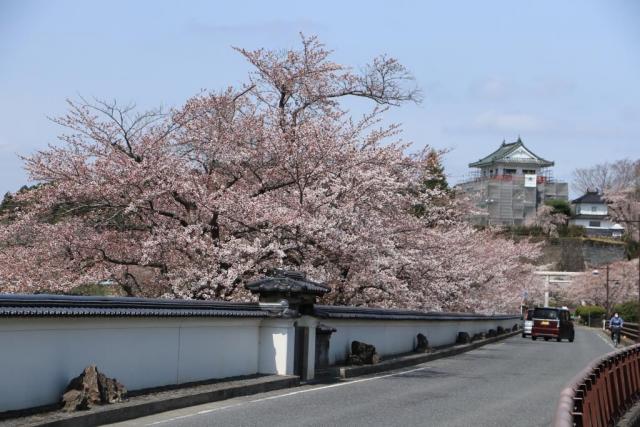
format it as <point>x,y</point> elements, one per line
<point>510,184</point>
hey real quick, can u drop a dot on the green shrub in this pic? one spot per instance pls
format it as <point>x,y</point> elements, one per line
<point>627,310</point>
<point>632,247</point>
<point>524,230</point>
<point>593,312</point>
<point>571,231</point>
<point>559,206</point>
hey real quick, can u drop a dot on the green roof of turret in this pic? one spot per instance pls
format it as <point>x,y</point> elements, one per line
<point>513,152</point>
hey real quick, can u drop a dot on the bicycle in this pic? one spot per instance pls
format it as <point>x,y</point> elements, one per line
<point>615,335</point>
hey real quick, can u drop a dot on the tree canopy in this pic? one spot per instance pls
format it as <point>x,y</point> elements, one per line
<point>196,201</point>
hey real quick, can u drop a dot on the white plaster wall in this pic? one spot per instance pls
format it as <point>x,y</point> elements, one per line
<point>394,337</point>
<point>39,356</point>
<point>586,209</point>
<point>217,352</point>
<point>276,347</point>
<point>604,224</point>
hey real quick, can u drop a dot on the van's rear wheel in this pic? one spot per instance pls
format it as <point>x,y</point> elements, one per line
<point>558,339</point>
<point>546,338</point>
<point>534,338</point>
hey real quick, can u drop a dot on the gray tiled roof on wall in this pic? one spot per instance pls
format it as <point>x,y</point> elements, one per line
<point>345,312</point>
<point>80,306</point>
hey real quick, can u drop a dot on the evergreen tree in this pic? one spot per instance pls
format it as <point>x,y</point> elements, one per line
<point>435,178</point>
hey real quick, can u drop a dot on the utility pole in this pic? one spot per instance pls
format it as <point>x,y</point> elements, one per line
<point>607,304</point>
<point>607,286</point>
<point>546,293</point>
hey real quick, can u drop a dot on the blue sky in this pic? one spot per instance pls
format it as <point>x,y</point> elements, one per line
<point>564,75</point>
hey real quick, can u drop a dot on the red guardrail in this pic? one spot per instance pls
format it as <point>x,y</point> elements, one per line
<point>602,392</point>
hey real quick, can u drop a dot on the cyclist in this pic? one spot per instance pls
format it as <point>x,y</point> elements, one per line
<point>615,324</point>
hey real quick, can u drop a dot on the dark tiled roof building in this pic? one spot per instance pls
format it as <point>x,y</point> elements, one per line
<point>591,212</point>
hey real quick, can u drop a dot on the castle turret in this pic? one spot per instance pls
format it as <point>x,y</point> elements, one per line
<point>511,183</point>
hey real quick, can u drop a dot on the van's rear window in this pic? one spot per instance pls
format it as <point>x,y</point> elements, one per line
<point>545,313</point>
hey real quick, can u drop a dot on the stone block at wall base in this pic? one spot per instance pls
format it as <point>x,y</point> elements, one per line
<point>148,404</point>
<point>403,361</point>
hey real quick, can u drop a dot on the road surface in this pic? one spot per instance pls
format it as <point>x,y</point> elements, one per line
<point>513,382</point>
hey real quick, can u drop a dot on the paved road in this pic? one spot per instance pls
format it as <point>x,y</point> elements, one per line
<point>512,382</point>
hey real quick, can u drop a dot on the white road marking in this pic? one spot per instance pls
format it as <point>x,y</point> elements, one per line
<point>293,393</point>
<point>606,341</point>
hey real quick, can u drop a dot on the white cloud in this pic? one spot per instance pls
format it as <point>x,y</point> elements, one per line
<point>502,89</point>
<point>492,88</point>
<point>554,87</point>
<point>508,122</point>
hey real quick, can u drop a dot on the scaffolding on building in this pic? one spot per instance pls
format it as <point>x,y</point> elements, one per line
<point>509,199</point>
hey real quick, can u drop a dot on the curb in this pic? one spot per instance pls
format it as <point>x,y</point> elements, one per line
<point>409,360</point>
<point>136,410</point>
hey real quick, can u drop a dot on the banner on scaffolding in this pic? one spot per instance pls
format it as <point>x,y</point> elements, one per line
<point>530,181</point>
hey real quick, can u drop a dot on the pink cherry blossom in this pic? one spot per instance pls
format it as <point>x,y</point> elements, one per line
<point>195,202</point>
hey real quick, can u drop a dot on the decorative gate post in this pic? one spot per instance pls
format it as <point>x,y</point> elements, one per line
<point>287,347</point>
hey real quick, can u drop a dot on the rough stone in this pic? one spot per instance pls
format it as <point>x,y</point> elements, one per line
<point>75,400</point>
<point>515,328</point>
<point>478,336</point>
<point>463,338</point>
<point>422,345</point>
<point>82,392</point>
<point>500,330</point>
<point>111,391</point>
<point>491,333</point>
<point>91,388</point>
<point>362,354</point>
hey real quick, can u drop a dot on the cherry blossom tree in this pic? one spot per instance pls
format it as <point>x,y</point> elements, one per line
<point>624,204</point>
<point>591,288</point>
<point>196,201</point>
<point>548,220</point>
<point>502,273</point>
